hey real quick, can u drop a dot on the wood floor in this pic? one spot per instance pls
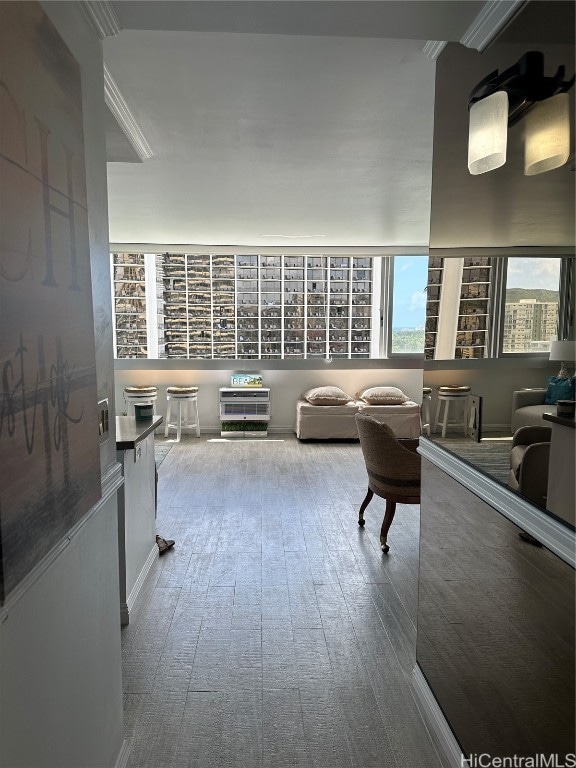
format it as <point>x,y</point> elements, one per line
<point>275,633</point>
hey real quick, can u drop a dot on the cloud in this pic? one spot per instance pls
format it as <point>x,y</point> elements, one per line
<point>417,301</point>
<point>533,273</point>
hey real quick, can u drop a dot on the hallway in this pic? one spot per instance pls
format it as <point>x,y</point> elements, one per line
<point>274,633</point>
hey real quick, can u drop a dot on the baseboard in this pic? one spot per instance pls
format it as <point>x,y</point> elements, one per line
<point>274,430</point>
<point>444,739</point>
<point>124,754</point>
<point>504,428</point>
<point>128,606</point>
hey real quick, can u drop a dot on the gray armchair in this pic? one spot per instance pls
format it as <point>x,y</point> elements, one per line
<point>528,408</point>
<point>529,459</point>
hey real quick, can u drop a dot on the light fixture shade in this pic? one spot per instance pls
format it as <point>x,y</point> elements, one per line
<point>488,133</point>
<point>547,135</point>
<point>565,351</point>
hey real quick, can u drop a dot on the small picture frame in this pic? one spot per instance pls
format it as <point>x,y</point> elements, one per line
<point>246,380</point>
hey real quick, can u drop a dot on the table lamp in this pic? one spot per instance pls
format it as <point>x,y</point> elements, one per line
<point>565,352</point>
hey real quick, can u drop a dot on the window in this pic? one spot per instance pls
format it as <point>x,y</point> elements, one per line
<point>204,306</point>
<point>410,278</point>
<point>531,304</point>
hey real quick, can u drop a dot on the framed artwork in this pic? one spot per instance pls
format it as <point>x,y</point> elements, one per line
<point>246,380</point>
<point>49,443</point>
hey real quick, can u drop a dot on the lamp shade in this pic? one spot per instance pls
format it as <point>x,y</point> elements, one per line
<point>488,133</point>
<point>547,135</point>
<point>565,351</point>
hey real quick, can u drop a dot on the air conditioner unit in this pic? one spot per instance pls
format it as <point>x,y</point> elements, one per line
<point>241,406</point>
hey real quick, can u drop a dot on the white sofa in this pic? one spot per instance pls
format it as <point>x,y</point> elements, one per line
<point>332,422</point>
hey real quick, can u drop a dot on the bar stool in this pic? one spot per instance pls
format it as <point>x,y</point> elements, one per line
<point>139,395</point>
<point>451,394</point>
<point>425,414</point>
<point>187,400</point>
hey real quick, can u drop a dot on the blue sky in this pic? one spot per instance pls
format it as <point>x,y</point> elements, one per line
<point>410,278</point>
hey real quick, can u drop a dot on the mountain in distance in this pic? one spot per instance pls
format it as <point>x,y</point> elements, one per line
<point>513,295</point>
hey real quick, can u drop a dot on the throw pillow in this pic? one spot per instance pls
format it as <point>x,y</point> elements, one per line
<point>326,396</point>
<point>383,396</point>
<point>559,389</point>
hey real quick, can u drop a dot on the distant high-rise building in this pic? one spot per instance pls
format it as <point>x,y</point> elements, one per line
<point>203,306</point>
<point>529,325</point>
<point>458,307</point>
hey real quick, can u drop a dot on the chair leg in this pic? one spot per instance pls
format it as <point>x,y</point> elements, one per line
<point>386,523</point>
<point>365,503</point>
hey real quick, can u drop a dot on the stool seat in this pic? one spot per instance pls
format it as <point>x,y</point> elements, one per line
<point>186,401</point>
<point>136,390</point>
<point>137,394</point>
<point>448,394</point>
<point>182,391</point>
<point>426,390</point>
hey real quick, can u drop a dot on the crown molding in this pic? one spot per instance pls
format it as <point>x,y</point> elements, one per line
<point>102,17</point>
<point>434,48</point>
<point>490,22</point>
<point>117,105</point>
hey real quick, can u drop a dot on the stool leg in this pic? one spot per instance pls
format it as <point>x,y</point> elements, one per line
<point>167,427</point>
<point>179,422</point>
<point>466,415</point>
<point>437,415</point>
<point>445,420</point>
<point>196,418</point>
<point>426,416</point>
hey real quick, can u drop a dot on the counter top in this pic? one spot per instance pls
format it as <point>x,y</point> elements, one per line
<point>565,421</point>
<point>130,432</point>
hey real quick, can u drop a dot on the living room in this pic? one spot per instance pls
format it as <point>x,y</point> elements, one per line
<point>336,190</point>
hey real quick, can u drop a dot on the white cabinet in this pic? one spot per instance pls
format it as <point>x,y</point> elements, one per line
<point>137,548</point>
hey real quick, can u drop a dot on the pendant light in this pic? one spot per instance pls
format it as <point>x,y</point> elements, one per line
<point>547,135</point>
<point>488,133</point>
<point>521,92</point>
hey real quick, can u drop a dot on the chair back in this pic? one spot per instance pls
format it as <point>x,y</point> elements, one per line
<point>393,469</point>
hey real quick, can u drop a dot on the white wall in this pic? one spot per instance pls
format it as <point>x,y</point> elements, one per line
<point>60,660</point>
<point>286,386</point>
<point>493,380</point>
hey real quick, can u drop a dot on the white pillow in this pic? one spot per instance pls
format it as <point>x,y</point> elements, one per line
<point>383,396</point>
<point>326,396</point>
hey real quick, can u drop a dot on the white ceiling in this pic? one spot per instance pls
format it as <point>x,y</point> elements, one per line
<point>278,123</point>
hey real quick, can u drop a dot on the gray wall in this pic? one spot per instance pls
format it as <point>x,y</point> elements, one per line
<point>61,692</point>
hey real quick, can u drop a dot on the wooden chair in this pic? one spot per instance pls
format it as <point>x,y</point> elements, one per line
<point>393,468</point>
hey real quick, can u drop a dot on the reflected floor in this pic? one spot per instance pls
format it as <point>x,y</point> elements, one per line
<point>491,455</point>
